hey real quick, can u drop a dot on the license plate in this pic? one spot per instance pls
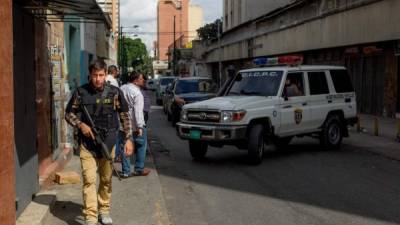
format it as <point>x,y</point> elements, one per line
<point>195,134</point>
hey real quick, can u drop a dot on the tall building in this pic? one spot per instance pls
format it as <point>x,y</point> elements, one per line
<point>196,20</point>
<point>167,10</point>
<point>111,7</point>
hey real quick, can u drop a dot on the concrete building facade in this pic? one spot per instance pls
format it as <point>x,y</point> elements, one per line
<point>166,11</point>
<point>360,34</point>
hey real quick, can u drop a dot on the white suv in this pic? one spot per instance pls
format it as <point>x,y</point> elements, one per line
<point>272,105</point>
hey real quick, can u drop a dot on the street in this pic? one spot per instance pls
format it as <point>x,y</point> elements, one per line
<point>301,184</point>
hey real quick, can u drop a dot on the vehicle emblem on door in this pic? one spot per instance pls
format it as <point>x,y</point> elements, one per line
<point>298,115</point>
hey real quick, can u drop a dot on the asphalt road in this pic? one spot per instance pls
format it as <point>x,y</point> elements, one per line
<point>302,184</point>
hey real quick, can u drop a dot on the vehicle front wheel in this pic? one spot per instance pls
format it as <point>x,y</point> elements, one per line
<point>256,143</point>
<point>332,133</point>
<point>198,149</point>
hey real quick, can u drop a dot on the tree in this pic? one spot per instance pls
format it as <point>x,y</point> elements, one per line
<point>209,32</point>
<point>135,54</point>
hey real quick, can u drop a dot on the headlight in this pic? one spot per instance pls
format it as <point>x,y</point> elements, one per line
<point>232,116</point>
<point>184,115</point>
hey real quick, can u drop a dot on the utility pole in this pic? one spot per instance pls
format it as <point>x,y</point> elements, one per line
<point>173,52</point>
<point>120,47</point>
<point>220,54</point>
<point>119,32</point>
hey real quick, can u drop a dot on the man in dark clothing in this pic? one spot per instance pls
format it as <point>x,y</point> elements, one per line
<point>105,104</point>
<point>147,101</point>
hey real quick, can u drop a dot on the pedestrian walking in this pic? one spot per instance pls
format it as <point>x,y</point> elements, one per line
<point>146,111</point>
<point>105,105</point>
<point>113,75</point>
<point>135,99</point>
<point>147,101</point>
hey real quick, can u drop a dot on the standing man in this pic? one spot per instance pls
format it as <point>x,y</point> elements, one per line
<point>112,75</point>
<point>134,97</point>
<point>147,101</point>
<point>105,104</point>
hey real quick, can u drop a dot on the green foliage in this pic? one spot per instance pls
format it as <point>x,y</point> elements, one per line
<point>134,54</point>
<point>209,32</point>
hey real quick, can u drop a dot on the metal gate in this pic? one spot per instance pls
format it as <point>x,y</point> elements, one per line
<point>368,77</point>
<point>26,160</point>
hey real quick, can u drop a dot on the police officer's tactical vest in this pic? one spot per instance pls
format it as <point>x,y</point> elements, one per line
<point>103,112</point>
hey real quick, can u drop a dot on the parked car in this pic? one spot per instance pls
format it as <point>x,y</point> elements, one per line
<point>166,96</point>
<point>162,84</point>
<point>185,91</point>
<point>151,84</point>
<point>273,105</point>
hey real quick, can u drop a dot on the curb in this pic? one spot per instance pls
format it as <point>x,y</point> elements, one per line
<point>382,146</point>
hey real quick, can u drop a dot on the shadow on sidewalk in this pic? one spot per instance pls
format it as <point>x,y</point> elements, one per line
<point>67,211</point>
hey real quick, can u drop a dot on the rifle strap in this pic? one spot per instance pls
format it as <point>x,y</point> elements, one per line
<point>103,96</point>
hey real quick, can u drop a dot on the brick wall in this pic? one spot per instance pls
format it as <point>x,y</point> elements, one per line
<point>7,198</point>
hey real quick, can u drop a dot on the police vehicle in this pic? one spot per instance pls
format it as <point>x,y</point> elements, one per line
<point>271,105</point>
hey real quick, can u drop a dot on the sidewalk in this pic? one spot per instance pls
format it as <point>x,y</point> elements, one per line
<point>136,200</point>
<point>387,126</point>
<point>386,144</point>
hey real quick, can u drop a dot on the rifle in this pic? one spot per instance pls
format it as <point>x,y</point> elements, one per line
<point>98,139</point>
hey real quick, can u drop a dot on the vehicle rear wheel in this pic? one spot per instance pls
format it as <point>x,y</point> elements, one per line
<point>256,143</point>
<point>332,133</point>
<point>198,149</point>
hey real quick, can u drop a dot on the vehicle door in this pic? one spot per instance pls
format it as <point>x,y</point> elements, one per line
<point>319,104</point>
<point>294,109</point>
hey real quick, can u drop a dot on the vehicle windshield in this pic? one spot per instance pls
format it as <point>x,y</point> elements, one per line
<point>166,81</point>
<point>258,83</point>
<point>190,86</point>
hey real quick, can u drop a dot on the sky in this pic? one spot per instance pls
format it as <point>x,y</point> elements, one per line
<point>144,14</point>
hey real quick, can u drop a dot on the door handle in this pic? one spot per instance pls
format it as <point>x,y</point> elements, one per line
<point>287,106</point>
<point>329,101</point>
<point>304,103</point>
<point>347,100</point>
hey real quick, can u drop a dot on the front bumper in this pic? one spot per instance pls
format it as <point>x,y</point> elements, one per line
<point>212,132</point>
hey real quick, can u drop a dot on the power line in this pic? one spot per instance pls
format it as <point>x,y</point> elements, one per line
<point>141,32</point>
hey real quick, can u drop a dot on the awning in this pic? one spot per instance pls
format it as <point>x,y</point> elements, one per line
<point>86,11</point>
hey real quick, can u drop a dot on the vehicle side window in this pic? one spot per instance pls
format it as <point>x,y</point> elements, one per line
<point>294,85</point>
<point>318,83</point>
<point>341,81</point>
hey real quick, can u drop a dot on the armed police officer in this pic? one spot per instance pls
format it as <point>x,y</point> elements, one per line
<point>105,105</point>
